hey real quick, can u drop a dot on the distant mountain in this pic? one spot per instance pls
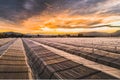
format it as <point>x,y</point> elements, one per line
<point>102,34</point>
<point>85,34</point>
<point>117,33</point>
<point>96,34</point>
<point>16,35</point>
<point>12,34</point>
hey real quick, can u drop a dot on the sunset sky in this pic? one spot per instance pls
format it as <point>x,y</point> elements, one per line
<point>59,16</point>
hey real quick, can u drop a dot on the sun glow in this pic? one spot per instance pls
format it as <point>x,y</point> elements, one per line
<point>65,23</point>
<point>117,23</point>
<point>74,16</point>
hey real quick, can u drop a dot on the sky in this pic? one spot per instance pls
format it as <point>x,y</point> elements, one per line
<point>59,16</point>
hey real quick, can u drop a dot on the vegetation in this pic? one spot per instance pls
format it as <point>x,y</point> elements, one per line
<point>87,34</point>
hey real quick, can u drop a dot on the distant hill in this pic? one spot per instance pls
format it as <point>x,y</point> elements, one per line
<point>96,34</point>
<point>101,34</point>
<point>86,34</point>
<point>16,35</point>
<point>117,33</point>
<point>11,34</point>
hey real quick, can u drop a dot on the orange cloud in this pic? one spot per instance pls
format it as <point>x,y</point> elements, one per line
<point>63,22</point>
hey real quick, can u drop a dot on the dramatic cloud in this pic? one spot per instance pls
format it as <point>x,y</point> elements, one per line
<point>55,15</point>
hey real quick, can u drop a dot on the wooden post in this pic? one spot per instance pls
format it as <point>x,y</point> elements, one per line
<point>115,48</point>
<point>93,48</point>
